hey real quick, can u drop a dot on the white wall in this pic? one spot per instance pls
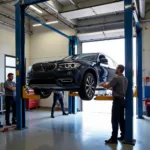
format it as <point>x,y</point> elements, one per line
<point>47,45</point>
<point>7,46</point>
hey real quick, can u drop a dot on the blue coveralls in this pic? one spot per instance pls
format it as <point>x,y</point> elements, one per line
<point>58,96</point>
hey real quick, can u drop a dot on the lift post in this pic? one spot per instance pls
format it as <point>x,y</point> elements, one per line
<point>128,25</point>
<point>20,64</point>
<point>139,64</point>
<point>139,71</point>
<point>72,51</point>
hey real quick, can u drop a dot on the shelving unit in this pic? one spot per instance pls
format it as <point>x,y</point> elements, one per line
<point>2,110</point>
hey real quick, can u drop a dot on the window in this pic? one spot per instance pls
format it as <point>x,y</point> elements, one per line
<point>10,66</point>
<point>90,57</point>
<point>111,63</point>
<point>10,61</point>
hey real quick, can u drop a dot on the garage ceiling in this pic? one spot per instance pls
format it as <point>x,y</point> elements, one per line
<point>85,16</point>
<point>103,35</point>
<point>94,11</point>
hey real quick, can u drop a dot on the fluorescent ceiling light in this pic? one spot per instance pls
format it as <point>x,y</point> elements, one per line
<point>52,22</point>
<point>1,22</point>
<point>72,2</point>
<point>37,25</point>
<point>36,9</point>
<point>51,7</point>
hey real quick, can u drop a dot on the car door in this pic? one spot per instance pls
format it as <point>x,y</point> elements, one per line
<point>111,68</point>
<point>103,71</point>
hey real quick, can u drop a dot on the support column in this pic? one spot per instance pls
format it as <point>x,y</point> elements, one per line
<point>75,100</point>
<point>139,72</point>
<point>71,100</point>
<point>70,104</point>
<point>20,65</point>
<point>128,25</point>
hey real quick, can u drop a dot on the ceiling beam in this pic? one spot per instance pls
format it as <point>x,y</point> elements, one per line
<point>9,20</point>
<point>57,5</point>
<point>88,3</point>
<point>58,17</point>
<point>101,19</point>
<point>7,1</point>
<point>100,27</point>
<point>74,3</point>
<point>147,12</point>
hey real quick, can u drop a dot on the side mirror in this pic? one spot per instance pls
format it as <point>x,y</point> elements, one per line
<point>103,61</point>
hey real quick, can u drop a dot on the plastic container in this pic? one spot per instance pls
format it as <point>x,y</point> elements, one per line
<point>147,105</point>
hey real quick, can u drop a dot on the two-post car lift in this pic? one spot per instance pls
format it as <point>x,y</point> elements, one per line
<point>20,58</point>
<point>128,26</point>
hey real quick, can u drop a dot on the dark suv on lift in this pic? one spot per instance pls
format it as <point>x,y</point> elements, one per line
<point>82,73</point>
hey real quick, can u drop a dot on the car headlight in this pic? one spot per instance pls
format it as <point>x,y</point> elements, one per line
<point>68,65</point>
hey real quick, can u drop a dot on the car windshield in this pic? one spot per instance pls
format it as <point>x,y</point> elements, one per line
<point>90,57</point>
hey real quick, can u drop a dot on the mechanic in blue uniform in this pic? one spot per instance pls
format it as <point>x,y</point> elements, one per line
<point>1,126</point>
<point>58,95</point>
<point>10,99</point>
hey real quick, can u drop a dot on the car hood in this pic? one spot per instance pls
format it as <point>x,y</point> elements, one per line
<point>69,61</point>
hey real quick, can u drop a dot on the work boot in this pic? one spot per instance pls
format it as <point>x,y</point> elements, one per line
<point>52,116</point>
<point>14,122</point>
<point>65,114</point>
<point>8,124</point>
<point>121,138</point>
<point>111,141</point>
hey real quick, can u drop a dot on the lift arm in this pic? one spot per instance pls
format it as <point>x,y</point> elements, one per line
<point>48,26</point>
<point>99,97</point>
<point>25,95</point>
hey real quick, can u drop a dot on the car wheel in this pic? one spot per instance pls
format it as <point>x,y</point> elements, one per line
<point>87,89</point>
<point>43,93</point>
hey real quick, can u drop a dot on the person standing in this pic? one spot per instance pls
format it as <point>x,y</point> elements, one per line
<point>58,95</point>
<point>119,87</point>
<point>10,99</point>
<point>1,126</point>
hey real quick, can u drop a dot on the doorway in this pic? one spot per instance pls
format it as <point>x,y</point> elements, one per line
<point>115,49</point>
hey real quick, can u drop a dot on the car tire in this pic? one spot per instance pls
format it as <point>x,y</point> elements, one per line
<point>87,89</point>
<point>43,93</point>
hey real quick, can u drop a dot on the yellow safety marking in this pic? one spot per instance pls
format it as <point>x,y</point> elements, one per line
<point>135,93</point>
<point>108,98</point>
<point>17,73</point>
<point>25,95</point>
<point>73,94</point>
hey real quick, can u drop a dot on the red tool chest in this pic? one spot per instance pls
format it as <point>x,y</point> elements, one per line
<point>31,103</point>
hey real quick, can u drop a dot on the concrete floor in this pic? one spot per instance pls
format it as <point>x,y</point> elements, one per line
<point>74,132</point>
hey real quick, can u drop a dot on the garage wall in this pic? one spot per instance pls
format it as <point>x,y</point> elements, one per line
<point>46,45</point>
<point>146,49</point>
<point>7,46</point>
